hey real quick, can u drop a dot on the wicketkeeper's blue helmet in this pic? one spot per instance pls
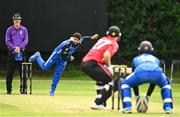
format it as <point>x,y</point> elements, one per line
<point>145,47</point>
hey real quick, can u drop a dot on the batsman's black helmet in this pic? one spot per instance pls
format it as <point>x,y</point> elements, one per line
<point>114,31</point>
<point>77,35</point>
<point>16,16</point>
<point>145,47</point>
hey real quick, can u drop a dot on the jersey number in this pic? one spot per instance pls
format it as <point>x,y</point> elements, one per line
<point>144,58</point>
<point>100,44</point>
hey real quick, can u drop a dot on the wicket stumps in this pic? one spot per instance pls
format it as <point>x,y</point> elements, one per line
<point>26,75</point>
<point>120,71</point>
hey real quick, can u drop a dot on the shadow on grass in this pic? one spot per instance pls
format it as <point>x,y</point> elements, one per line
<point>8,107</point>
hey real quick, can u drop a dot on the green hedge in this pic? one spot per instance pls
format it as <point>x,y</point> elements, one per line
<point>155,20</point>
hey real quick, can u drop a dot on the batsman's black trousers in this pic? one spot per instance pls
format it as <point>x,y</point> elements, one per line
<point>98,72</point>
<point>12,65</point>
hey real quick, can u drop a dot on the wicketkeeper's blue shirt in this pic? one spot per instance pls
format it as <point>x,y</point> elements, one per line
<point>146,62</point>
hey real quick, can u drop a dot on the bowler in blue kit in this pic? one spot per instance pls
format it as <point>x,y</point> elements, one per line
<point>60,56</point>
<point>146,70</point>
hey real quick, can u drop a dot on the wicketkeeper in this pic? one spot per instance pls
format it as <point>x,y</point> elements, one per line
<point>60,56</point>
<point>147,70</point>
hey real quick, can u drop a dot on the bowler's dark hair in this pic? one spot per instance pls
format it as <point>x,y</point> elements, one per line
<point>77,35</point>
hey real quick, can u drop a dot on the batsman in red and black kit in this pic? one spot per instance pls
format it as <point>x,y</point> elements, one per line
<point>97,64</point>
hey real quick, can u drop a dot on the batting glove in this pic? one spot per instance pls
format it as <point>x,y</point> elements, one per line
<point>110,69</point>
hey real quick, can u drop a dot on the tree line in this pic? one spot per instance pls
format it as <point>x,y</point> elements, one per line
<point>155,20</point>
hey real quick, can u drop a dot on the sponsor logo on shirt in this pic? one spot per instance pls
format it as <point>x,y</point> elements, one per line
<point>20,32</point>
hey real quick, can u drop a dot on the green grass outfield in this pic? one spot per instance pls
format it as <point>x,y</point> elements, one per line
<point>72,99</point>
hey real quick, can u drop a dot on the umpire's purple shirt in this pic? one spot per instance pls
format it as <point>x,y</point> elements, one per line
<point>16,37</point>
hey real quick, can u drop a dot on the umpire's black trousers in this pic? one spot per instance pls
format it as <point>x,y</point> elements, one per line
<point>12,65</point>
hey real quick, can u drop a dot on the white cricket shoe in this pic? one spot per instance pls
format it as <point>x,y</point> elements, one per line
<point>127,110</point>
<point>168,110</point>
<point>94,106</point>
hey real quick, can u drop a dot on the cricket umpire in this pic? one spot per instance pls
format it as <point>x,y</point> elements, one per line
<point>16,41</point>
